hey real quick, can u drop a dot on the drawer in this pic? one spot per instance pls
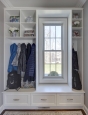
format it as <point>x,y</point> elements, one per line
<point>16,99</point>
<point>43,99</point>
<point>70,99</point>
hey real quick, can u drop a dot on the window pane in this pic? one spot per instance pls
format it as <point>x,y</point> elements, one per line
<point>47,31</point>
<point>52,57</point>
<point>47,44</point>
<point>58,31</point>
<point>52,31</point>
<point>58,63</point>
<point>47,57</point>
<point>47,69</point>
<point>52,44</point>
<point>47,63</point>
<point>58,44</point>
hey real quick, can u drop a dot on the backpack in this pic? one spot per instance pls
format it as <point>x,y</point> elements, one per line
<point>76,83</point>
<point>14,80</point>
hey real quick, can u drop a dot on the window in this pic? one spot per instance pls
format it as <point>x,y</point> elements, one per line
<point>52,50</point>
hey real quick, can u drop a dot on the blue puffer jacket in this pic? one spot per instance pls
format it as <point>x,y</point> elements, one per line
<point>13,51</point>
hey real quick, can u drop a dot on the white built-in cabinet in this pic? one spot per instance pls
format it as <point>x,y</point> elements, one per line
<point>41,97</point>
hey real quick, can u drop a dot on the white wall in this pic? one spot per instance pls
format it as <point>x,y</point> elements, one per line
<point>86,53</point>
<point>1,51</point>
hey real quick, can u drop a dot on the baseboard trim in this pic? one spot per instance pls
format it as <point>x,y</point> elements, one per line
<point>37,108</point>
<point>85,109</point>
<point>1,109</point>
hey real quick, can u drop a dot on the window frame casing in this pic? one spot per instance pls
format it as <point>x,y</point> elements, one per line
<point>50,21</point>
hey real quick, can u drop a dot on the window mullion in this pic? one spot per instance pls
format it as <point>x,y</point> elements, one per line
<point>50,48</point>
<point>55,50</point>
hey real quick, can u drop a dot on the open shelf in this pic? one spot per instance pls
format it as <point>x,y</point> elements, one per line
<point>21,38</point>
<point>79,12</point>
<point>9,13</point>
<point>77,19</point>
<point>76,37</point>
<point>28,13</point>
<point>76,28</point>
<point>28,24</point>
<point>8,25</point>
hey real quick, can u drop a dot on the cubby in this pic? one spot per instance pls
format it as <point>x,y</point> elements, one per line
<point>9,13</point>
<point>28,13</point>
<point>77,41</point>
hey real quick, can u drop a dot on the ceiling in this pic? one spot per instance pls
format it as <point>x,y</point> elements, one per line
<point>43,3</point>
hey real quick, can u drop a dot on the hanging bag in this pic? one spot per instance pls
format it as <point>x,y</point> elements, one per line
<point>14,80</point>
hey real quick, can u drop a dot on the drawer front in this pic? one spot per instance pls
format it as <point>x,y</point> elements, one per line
<point>70,99</point>
<point>43,99</point>
<point>16,99</point>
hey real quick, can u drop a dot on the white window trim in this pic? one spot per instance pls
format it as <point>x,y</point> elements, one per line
<point>43,21</point>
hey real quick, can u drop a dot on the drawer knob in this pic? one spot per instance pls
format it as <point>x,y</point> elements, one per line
<point>16,99</point>
<point>43,99</point>
<point>70,99</point>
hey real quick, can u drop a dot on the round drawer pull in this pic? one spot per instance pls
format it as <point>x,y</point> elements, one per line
<point>43,99</point>
<point>16,99</point>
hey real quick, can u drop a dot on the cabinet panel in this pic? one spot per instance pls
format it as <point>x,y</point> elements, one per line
<point>43,99</point>
<point>17,99</point>
<point>70,99</point>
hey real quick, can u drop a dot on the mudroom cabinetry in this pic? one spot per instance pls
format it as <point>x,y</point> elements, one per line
<point>43,96</point>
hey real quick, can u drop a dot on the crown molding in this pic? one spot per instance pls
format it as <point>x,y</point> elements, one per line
<point>7,3</point>
<point>80,3</point>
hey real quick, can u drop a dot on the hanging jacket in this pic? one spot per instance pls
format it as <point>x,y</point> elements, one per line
<point>30,70</point>
<point>28,52</point>
<point>15,61</point>
<point>13,51</point>
<point>75,60</point>
<point>76,82</point>
<point>22,59</point>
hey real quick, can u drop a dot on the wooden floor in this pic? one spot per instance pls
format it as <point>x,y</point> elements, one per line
<point>47,110</point>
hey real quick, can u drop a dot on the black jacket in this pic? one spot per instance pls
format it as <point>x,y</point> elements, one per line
<point>22,59</point>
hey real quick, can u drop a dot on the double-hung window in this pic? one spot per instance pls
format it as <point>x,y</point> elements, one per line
<point>52,50</point>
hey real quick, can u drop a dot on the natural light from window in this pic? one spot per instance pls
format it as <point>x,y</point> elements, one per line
<point>52,51</point>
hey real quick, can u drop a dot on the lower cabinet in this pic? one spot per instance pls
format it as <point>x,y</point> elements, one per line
<point>16,99</point>
<point>43,99</point>
<point>70,99</point>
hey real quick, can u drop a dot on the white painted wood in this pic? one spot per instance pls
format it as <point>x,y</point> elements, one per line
<point>56,95</point>
<point>38,108</point>
<point>69,48</point>
<point>70,99</point>
<point>55,20</point>
<point>43,99</point>
<point>16,99</point>
<point>78,44</point>
<point>27,13</point>
<point>9,13</point>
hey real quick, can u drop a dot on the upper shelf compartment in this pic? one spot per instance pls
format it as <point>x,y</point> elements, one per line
<point>77,14</point>
<point>12,16</point>
<point>28,16</point>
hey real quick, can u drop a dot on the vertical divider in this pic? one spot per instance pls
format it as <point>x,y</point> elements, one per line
<point>82,49</point>
<point>20,23</point>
